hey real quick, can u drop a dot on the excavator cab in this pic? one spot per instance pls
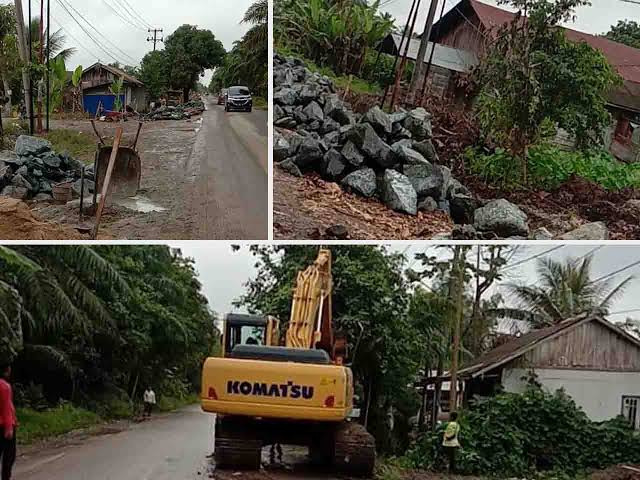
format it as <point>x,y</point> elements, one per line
<point>241,329</point>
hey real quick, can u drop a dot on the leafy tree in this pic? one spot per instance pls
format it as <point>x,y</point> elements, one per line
<point>9,56</point>
<point>190,52</point>
<point>562,290</point>
<point>154,73</point>
<point>370,301</point>
<point>533,79</point>
<point>626,32</point>
<point>257,16</point>
<point>334,34</point>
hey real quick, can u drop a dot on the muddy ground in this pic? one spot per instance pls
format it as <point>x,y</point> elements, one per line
<point>204,178</point>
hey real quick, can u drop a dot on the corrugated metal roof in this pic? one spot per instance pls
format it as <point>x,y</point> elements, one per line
<point>443,56</point>
<point>116,71</point>
<point>519,346</point>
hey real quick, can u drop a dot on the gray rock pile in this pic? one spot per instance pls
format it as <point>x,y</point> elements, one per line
<point>387,156</point>
<point>180,112</point>
<point>35,168</point>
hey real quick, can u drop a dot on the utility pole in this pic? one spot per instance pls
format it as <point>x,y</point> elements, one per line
<point>422,52</point>
<point>155,38</point>
<point>41,61</point>
<point>459,261</point>
<point>24,56</point>
<point>48,62</point>
<point>433,49</point>
<point>400,71</point>
<point>405,31</point>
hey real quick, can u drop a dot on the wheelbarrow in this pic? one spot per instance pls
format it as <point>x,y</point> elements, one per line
<point>125,178</point>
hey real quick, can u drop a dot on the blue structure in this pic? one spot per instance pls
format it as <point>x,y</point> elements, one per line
<point>91,102</point>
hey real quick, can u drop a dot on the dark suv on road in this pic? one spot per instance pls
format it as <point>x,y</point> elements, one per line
<point>239,99</point>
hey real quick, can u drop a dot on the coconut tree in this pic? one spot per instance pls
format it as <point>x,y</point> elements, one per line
<point>563,289</point>
<point>258,16</point>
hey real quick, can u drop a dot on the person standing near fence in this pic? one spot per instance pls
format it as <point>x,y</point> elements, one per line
<point>450,442</point>
<point>8,423</point>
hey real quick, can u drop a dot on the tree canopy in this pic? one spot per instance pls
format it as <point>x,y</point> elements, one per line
<point>189,52</point>
<point>626,32</point>
<point>533,79</point>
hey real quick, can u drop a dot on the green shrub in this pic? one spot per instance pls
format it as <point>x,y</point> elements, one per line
<point>521,434</point>
<point>81,146</point>
<point>549,167</point>
<point>37,425</point>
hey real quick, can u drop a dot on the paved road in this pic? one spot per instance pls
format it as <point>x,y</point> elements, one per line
<point>173,447</point>
<point>229,165</point>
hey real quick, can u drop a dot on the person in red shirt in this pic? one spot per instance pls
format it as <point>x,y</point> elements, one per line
<point>8,423</point>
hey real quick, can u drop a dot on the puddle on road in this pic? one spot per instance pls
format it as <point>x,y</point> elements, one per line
<point>139,204</point>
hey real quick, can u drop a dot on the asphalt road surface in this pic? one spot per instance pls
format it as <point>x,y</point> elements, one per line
<point>173,447</point>
<point>229,163</point>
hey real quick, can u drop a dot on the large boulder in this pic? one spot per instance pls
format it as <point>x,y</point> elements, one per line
<point>313,112</point>
<point>427,150</point>
<point>333,165</point>
<point>418,122</point>
<point>589,231</point>
<point>310,92</point>
<point>335,108</point>
<point>281,147</point>
<point>309,153</point>
<point>502,218</point>
<point>407,155</point>
<point>290,166</point>
<point>367,140</point>
<point>361,181</point>
<point>398,193</point>
<point>352,155</point>
<point>32,146</point>
<point>462,208</point>
<point>427,179</point>
<point>379,120</point>
<point>285,96</point>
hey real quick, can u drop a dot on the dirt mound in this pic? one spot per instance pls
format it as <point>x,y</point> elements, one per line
<point>18,222</point>
<point>619,472</point>
<point>304,208</point>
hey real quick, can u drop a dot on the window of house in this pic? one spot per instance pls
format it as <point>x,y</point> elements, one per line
<point>631,410</point>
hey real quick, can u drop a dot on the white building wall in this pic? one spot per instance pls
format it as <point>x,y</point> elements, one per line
<point>599,394</point>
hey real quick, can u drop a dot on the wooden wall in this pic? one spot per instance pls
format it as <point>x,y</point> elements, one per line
<point>591,346</point>
<point>466,37</point>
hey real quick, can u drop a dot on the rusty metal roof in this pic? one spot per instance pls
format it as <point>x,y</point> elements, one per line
<point>625,59</point>
<point>116,71</point>
<point>521,345</point>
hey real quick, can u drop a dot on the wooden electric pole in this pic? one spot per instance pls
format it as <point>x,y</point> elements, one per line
<point>459,261</point>
<point>155,38</point>
<point>400,72</point>
<point>422,52</point>
<point>25,56</point>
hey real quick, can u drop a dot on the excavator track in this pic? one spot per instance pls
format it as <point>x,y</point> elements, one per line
<point>235,446</point>
<point>354,450</point>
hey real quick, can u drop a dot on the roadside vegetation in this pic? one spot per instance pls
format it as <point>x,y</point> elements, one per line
<point>397,329</point>
<point>80,146</point>
<point>247,63</point>
<point>89,328</point>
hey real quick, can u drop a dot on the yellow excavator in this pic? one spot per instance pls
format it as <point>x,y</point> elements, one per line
<point>297,394</point>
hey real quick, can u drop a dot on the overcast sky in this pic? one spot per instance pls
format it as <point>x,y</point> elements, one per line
<point>126,39</point>
<point>223,273</point>
<point>596,19</point>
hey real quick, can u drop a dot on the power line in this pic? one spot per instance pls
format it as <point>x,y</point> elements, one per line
<point>604,277</point>
<point>120,4</point>
<point>137,14</point>
<point>123,17</point>
<point>98,44</point>
<point>533,257</point>
<point>590,252</point>
<point>78,42</point>
<point>125,54</point>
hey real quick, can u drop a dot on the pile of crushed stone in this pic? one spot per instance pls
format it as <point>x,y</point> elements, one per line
<point>18,222</point>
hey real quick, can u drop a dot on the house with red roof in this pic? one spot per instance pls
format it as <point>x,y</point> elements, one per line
<point>469,24</point>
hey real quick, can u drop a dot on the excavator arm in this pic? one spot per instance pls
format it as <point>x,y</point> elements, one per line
<point>311,323</point>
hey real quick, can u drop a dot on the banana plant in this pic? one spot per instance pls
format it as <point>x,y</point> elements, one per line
<point>76,80</point>
<point>116,89</point>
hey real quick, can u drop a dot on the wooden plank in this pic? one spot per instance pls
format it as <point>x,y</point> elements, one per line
<point>107,180</point>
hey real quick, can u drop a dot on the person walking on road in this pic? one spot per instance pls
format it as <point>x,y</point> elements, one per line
<point>450,442</point>
<point>8,423</point>
<point>149,401</point>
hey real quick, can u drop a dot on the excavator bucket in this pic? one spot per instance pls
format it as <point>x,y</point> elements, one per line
<point>125,179</point>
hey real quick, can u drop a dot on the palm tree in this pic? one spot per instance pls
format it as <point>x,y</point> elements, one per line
<point>45,290</point>
<point>57,41</point>
<point>258,16</point>
<point>562,290</point>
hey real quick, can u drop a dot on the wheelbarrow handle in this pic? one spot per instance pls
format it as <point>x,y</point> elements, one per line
<point>135,142</point>
<point>93,124</point>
